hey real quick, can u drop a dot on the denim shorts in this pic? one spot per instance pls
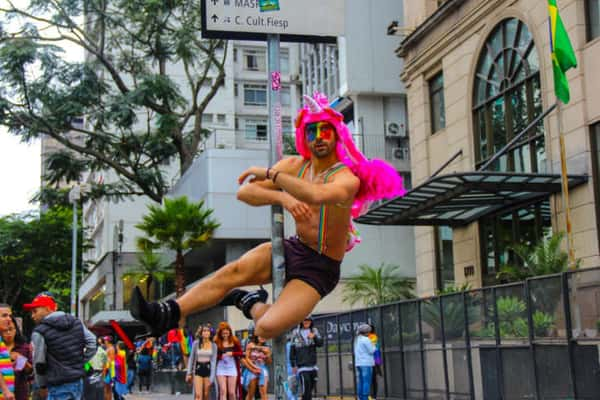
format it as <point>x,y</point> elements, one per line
<point>66,391</point>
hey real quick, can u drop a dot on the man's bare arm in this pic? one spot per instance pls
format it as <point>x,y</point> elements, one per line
<point>341,190</point>
<point>265,192</point>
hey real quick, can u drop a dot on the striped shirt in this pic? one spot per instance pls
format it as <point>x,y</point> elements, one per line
<point>6,368</point>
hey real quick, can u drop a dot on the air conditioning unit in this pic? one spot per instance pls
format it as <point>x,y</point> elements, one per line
<point>395,129</point>
<point>400,153</point>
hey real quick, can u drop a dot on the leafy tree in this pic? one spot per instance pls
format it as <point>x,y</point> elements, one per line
<point>178,225</point>
<point>35,255</point>
<point>543,258</point>
<point>150,269</point>
<point>120,109</point>
<point>377,285</point>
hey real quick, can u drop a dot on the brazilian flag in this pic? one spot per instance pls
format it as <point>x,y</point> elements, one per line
<point>563,56</point>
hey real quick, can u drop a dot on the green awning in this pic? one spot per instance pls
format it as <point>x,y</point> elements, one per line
<point>460,198</point>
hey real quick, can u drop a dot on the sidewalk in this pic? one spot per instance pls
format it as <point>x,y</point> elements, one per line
<point>158,396</point>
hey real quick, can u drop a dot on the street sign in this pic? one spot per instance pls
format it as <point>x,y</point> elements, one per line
<point>294,20</point>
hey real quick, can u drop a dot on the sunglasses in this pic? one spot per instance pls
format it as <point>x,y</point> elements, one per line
<point>322,130</point>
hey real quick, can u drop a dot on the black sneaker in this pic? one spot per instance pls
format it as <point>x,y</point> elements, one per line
<point>159,318</point>
<point>244,300</point>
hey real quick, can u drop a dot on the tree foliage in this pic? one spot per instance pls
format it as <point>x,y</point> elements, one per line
<point>542,258</point>
<point>150,268</point>
<point>35,255</point>
<point>134,104</point>
<point>177,225</point>
<point>378,285</point>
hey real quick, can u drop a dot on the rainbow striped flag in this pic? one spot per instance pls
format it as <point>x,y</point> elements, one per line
<point>185,342</point>
<point>6,368</point>
<point>120,367</point>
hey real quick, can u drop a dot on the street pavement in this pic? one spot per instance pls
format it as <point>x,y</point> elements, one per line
<point>158,396</point>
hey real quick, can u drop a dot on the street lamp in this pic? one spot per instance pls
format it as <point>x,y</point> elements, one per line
<point>74,197</point>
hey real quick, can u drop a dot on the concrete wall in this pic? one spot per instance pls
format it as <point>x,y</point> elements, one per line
<point>213,178</point>
<point>367,62</point>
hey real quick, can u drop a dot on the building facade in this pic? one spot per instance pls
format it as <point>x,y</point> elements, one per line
<point>477,74</point>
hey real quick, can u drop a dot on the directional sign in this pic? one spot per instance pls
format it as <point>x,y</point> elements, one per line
<point>295,20</point>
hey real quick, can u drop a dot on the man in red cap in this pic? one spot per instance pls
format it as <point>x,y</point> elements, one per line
<point>61,347</point>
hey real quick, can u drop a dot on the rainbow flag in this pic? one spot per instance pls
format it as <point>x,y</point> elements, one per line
<point>6,368</point>
<point>185,342</point>
<point>120,367</point>
<point>563,56</point>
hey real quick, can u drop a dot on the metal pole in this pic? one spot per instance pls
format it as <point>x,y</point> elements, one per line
<point>571,342</point>
<point>444,355</point>
<point>275,154</point>
<point>565,186</point>
<point>422,351</point>
<point>74,259</point>
<point>402,361</point>
<point>499,368</point>
<point>468,344</point>
<point>531,337</point>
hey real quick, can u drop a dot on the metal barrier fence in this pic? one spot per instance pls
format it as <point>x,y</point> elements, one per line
<point>537,339</point>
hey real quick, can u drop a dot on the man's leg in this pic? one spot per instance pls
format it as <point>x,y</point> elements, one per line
<point>252,268</point>
<point>296,301</point>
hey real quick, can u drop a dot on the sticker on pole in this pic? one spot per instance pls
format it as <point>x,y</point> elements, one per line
<point>268,5</point>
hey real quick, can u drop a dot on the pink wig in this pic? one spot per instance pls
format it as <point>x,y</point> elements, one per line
<point>378,179</point>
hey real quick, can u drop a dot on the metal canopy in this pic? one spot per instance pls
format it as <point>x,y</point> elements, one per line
<point>461,198</point>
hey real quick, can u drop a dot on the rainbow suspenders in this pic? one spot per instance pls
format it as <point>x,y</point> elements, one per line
<point>323,212</point>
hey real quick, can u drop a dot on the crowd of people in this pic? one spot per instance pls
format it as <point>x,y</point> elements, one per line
<point>64,360</point>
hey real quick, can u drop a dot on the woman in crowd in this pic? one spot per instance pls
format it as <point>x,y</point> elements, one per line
<point>202,363</point>
<point>258,355</point>
<point>20,355</point>
<point>228,364</point>
<point>144,367</point>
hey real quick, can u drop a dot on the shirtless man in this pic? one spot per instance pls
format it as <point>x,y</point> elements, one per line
<point>322,190</point>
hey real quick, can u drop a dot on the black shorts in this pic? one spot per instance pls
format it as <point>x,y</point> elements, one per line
<point>307,265</point>
<point>202,369</point>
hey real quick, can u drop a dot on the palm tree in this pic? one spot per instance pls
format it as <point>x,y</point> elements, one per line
<point>177,225</point>
<point>377,285</point>
<point>543,258</point>
<point>150,269</point>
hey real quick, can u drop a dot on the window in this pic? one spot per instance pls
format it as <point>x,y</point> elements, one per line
<point>256,129</point>
<point>499,233</point>
<point>207,118</point>
<point>506,98</point>
<point>284,62</point>
<point>255,95</point>
<point>436,99</point>
<point>444,257</point>
<point>221,119</point>
<point>255,60</point>
<point>235,89</point>
<point>285,96</point>
<point>235,55</point>
<point>592,14</point>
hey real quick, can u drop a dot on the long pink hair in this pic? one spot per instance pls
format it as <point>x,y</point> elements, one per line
<point>378,179</point>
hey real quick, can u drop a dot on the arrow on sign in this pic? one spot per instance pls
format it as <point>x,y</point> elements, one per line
<point>214,18</point>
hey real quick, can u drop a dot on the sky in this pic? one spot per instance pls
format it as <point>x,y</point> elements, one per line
<point>20,163</point>
<point>20,166</point>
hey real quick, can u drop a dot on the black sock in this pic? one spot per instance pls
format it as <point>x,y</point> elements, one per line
<point>160,317</point>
